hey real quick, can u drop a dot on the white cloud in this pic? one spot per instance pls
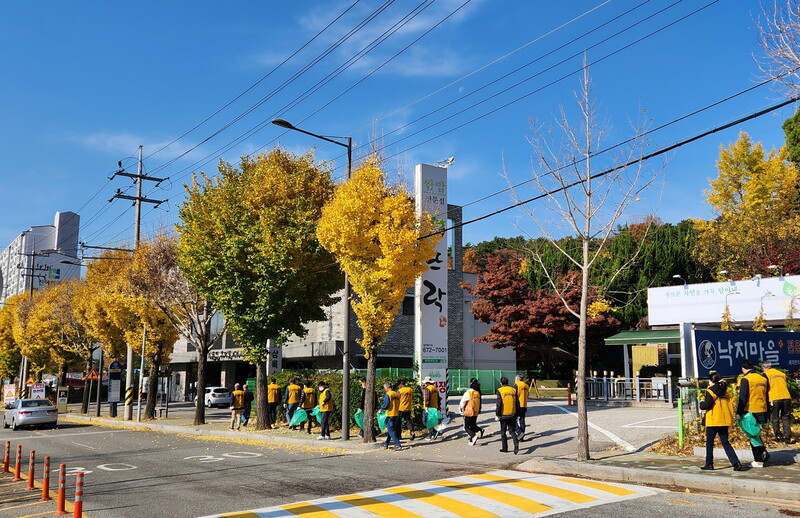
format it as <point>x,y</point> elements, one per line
<point>126,144</point>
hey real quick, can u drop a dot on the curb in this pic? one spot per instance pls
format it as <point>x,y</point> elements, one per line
<point>224,434</point>
<point>744,487</point>
<point>784,456</point>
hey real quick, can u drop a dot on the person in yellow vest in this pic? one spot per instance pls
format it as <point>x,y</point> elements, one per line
<point>781,402</point>
<point>308,400</point>
<point>430,399</point>
<point>719,418</point>
<point>406,394</point>
<point>325,409</point>
<point>391,406</point>
<point>237,404</point>
<point>273,400</point>
<point>506,411</point>
<point>753,398</point>
<point>522,398</point>
<point>291,399</point>
<point>470,407</point>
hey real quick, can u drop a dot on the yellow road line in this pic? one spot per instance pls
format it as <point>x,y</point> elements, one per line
<point>308,510</point>
<point>523,504</point>
<point>451,505</point>
<point>379,507</point>
<point>50,512</point>
<point>614,490</point>
<point>24,496</point>
<point>566,494</point>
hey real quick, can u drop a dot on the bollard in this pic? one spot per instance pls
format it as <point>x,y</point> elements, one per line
<point>6,458</point>
<point>78,510</point>
<point>31,465</point>
<point>17,464</point>
<point>46,480</point>
<point>62,495</point>
<point>569,394</point>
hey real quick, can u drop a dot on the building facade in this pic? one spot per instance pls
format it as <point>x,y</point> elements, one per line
<point>41,255</point>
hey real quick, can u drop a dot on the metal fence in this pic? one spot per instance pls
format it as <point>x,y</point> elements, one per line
<point>632,389</point>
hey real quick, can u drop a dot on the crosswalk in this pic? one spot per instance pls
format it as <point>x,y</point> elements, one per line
<point>497,494</point>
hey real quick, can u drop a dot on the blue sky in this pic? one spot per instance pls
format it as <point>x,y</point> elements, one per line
<point>84,83</point>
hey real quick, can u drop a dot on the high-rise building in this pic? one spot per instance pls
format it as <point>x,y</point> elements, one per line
<point>40,255</point>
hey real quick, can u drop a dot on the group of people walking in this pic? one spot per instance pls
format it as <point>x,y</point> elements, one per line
<point>763,398</point>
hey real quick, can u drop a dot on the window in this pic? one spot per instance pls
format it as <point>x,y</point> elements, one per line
<point>408,305</point>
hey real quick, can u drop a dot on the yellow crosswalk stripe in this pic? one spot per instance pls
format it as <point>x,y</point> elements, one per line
<point>566,494</point>
<point>243,514</point>
<point>378,507</point>
<point>614,490</point>
<point>307,510</point>
<point>520,502</point>
<point>451,505</point>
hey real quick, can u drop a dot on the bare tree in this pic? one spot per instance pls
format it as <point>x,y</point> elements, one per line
<point>779,38</point>
<point>157,276</point>
<point>586,197</point>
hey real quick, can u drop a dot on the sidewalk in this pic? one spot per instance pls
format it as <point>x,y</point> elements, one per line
<point>780,479</point>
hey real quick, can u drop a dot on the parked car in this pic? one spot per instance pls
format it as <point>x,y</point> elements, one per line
<point>31,412</point>
<point>216,396</point>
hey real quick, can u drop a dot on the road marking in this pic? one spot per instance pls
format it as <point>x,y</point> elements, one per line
<point>122,466</point>
<point>242,454</point>
<point>58,435</point>
<point>84,445</point>
<point>499,493</point>
<point>620,442</point>
<point>637,423</point>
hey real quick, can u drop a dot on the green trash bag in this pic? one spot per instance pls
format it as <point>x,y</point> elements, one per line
<point>317,413</point>
<point>358,417</point>
<point>299,416</point>
<point>752,429</point>
<point>432,417</point>
<point>382,420</point>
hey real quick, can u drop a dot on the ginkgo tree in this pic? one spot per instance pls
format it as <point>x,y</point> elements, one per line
<point>376,237</point>
<point>10,357</point>
<point>248,244</point>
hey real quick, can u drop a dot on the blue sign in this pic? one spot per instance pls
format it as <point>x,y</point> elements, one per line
<point>723,351</point>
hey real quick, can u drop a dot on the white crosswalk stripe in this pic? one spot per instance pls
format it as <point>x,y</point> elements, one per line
<point>496,494</point>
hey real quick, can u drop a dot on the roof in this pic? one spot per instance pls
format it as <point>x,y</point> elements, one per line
<point>658,336</point>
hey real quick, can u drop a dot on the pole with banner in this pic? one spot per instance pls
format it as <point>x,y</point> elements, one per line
<point>430,290</point>
<point>114,386</point>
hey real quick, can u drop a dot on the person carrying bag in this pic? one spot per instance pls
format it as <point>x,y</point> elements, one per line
<point>718,419</point>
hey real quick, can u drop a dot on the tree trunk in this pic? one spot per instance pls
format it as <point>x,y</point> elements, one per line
<point>152,391</point>
<point>200,386</point>
<point>262,417</point>
<point>85,400</point>
<point>369,399</point>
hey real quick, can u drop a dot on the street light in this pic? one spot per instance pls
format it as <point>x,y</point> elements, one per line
<point>346,334</point>
<point>676,276</point>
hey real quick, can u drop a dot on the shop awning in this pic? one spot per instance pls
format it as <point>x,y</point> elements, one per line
<point>645,337</point>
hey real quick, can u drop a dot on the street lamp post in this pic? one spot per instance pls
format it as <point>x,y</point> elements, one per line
<point>346,333</point>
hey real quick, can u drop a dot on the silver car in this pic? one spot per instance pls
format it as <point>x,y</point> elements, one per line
<point>31,412</point>
<point>216,396</point>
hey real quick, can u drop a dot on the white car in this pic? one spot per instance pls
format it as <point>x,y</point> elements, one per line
<point>31,412</point>
<point>216,396</point>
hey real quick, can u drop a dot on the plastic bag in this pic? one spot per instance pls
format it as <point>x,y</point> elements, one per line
<point>432,417</point>
<point>382,420</point>
<point>752,429</point>
<point>358,417</point>
<point>317,413</point>
<point>299,416</point>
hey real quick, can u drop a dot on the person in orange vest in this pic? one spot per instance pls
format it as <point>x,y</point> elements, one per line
<point>391,405</point>
<point>291,399</point>
<point>523,389</point>
<point>718,420</point>
<point>506,411</point>
<point>308,400</point>
<point>237,404</point>
<point>325,408</point>
<point>470,407</point>
<point>406,401</point>
<point>273,400</point>
<point>781,402</point>
<point>430,399</point>
<point>753,398</point>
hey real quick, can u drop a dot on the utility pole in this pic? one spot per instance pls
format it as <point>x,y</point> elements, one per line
<point>30,271</point>
<point>139,178</point>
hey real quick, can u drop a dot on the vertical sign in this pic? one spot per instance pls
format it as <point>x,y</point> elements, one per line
<point>114,382</point>
<point>37,391</point>
<point>9,394</point>
<point>430,290</point>
<point>275,359</point>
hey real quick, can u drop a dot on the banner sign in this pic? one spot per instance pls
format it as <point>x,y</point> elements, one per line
<point>9,394</point>
<point>723,351</point>
<point>37,391</point>
<point>275,361</point>
<point>430,322</point>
